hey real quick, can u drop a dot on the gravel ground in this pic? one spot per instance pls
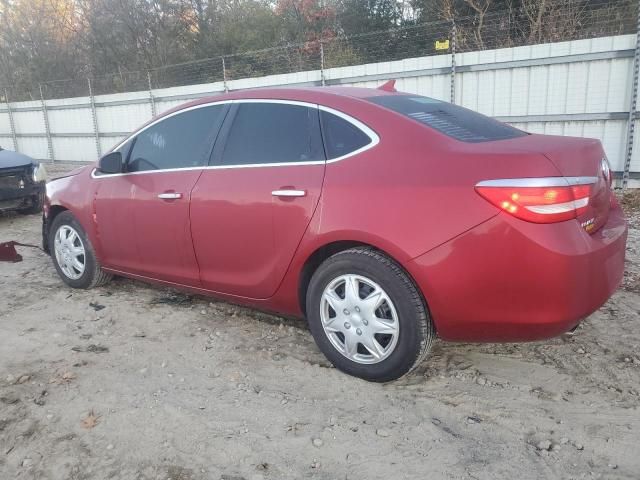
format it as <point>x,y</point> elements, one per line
<point>135,382</point>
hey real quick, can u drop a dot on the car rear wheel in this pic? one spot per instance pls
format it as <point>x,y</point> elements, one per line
<point>367,316</point>
<point>73,255</point>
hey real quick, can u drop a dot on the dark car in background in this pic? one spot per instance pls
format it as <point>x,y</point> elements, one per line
<point>22,183</point>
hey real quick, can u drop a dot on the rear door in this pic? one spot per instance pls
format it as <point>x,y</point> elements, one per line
<point>250,210</point>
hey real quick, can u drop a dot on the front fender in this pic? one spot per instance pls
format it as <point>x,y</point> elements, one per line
<point>76,194</point>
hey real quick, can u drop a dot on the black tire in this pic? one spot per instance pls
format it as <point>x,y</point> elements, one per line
<point>416,332</point>
<point>93,276</point>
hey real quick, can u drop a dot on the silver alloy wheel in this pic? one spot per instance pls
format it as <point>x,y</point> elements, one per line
<point>359,319</point>
<point>69,251</point>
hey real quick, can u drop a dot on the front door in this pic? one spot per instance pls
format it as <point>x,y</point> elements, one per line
<point>143,214</point>
<point>250,211</point>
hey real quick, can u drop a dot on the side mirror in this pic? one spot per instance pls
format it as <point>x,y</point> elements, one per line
<point>111,163</point>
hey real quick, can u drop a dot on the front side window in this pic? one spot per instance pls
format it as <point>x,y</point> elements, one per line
<point>264,133</point>
<point>452,120</point>
<point>181,141</point>
<point>340,136</point>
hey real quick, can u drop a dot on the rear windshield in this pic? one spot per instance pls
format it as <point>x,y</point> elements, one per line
<point>454,121</point>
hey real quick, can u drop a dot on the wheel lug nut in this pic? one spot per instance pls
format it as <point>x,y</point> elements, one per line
<point>358,331</point>
<point>365,322</point>
<point>347,325</point>
<point>358,309</point>
<point>346,312</point>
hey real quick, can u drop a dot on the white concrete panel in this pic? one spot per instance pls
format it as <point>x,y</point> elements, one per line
<point>613,140</point>
<point>619,42</point>
<point>73,120</point>
<point>635,159</point>
<point>534,127</point>
<point>554,128</point>
<point>75,149</point>
<point>577,90</point>
<point>468,85</point>
<point>70,102</point>
<point>123,118</point>
<point>6,142</point>
<point>5,124</point>
<point>107,143</point>
<point>29,122</point>
<point>557,89</point>
<point>35,147</point>
<point>519,91</point>
<point>204,89</point>
<point>620,78</point>
<point>165,105</point>
<point>537,95</point>
<point>560,48</point>
<point>573,129</point>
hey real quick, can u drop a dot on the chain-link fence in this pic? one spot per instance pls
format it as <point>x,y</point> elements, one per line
<point>559,20</point>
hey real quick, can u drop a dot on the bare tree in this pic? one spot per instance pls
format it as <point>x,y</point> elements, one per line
<point>480,7</point>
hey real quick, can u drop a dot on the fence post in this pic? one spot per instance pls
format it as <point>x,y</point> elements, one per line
<point>224,75</point>
<point>47,130</point>
<point>631,125</point>
<point>94,117</point>
<point>453,61</point>
<point>12,125</point>
<point>322,79</point>
<point>152,101</point>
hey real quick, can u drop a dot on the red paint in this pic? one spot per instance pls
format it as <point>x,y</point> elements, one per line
<point>486,275</point>
<point>243,236</point>
<point>389,86</point>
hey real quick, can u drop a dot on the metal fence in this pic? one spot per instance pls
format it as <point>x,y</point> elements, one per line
<point>562,20</point>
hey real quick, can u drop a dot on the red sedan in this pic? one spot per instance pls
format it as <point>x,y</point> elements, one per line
<point>383,218</point>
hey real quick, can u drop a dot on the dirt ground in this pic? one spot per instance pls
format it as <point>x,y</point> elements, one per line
<point>136,382</point>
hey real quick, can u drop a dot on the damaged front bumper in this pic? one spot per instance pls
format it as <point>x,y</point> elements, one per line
<point>19,192</point>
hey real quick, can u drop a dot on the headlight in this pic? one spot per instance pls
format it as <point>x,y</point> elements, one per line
<point>39,173</point>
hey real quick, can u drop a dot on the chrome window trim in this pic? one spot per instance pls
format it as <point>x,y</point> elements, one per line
<point>538,182</point>
<point>375,139</point>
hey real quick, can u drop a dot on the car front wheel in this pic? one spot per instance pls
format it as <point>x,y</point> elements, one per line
<point>73,255</point>
<point>367,316</point>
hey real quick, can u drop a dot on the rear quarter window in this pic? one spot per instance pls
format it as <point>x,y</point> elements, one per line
<point>454,121</point>
<point>341,137</point>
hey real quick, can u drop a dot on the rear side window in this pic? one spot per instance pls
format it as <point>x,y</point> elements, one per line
<point>180,141</point>
<point>340,136</point>
<point>454,121</point>
<point>264,133</point>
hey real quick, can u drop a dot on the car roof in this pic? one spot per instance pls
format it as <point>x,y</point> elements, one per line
<point>321,95</point>
<point>337,97</point>
<point>306,92</point>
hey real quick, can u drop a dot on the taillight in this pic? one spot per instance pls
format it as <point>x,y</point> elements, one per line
<point>539,200</point>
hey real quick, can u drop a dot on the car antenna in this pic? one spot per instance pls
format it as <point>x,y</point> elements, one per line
<point>389,86</point>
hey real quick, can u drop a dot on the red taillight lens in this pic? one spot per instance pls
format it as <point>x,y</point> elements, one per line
<point>539,200</point>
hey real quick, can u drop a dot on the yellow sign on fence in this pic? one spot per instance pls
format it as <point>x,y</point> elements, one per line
<point>442,44</point>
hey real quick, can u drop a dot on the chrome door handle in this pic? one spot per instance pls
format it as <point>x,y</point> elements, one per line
<point>170,196</point>
<point>288,193</point>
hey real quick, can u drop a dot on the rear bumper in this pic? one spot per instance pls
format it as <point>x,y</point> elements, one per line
<point>508,280</point>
